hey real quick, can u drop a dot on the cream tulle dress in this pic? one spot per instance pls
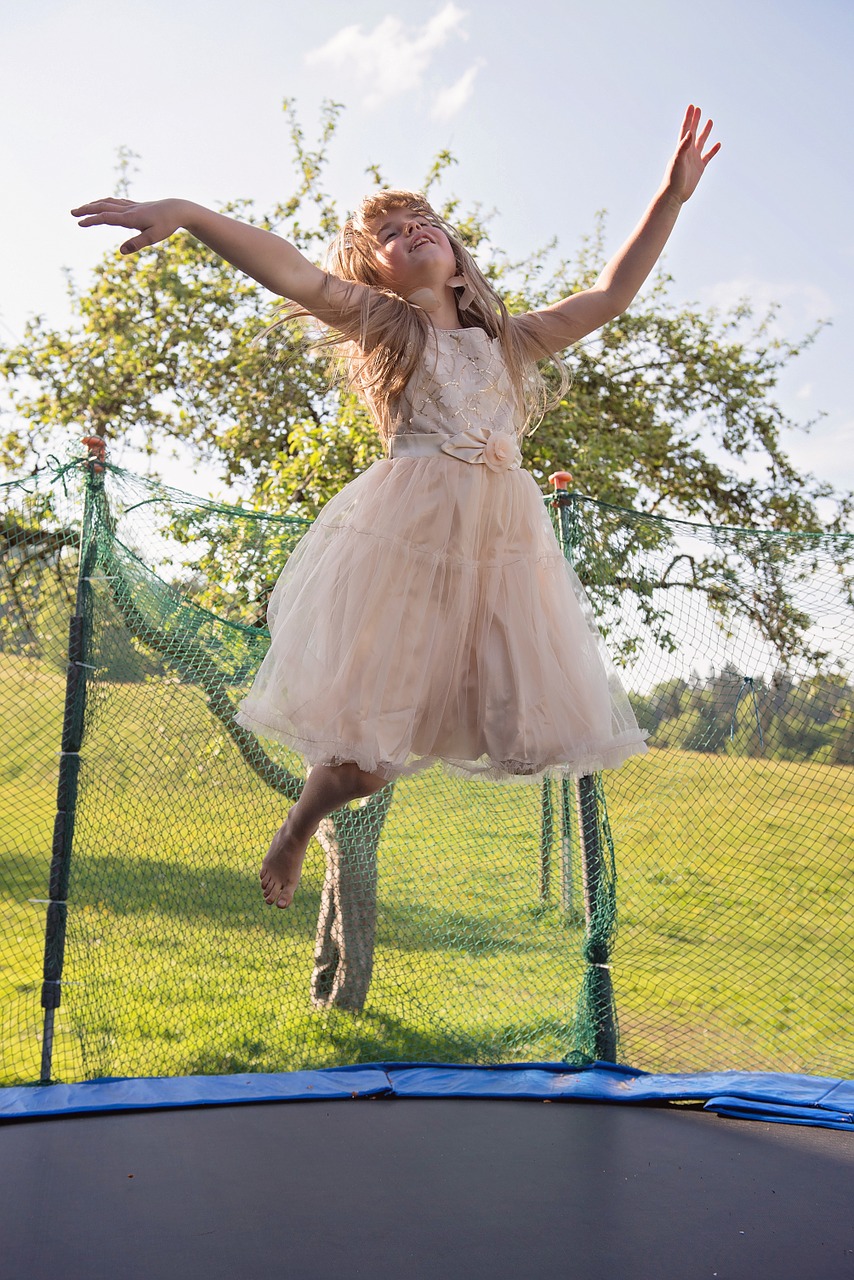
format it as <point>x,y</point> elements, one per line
<point>429,615</point>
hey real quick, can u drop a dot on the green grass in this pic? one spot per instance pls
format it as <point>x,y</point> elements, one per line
<point>736,914</point>
<point>735,895</point>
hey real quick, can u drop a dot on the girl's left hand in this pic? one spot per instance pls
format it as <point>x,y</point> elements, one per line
<point>686,167</point>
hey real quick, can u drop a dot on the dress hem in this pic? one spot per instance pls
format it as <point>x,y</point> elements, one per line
<point>589,760</point>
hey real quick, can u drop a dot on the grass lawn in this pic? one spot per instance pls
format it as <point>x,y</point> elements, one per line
<point>735,896</point>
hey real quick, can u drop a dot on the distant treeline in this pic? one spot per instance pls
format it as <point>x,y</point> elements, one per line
<point>732,712</point>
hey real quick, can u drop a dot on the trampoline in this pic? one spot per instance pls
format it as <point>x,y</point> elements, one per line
<point>425,1187</point>
<point>503,1172</point>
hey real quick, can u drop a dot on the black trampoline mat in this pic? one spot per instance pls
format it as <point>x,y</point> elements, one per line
<point>405,1189</point>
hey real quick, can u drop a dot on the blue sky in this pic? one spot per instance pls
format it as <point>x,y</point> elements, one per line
<point>553,111</point>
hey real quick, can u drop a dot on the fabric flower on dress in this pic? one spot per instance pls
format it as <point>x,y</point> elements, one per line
<point>497,450</point>
<point>501,452</point>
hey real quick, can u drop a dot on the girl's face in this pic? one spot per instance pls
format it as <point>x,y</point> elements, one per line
<point>410,251</point>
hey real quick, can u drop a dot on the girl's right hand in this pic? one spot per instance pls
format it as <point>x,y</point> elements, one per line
<point>157,219</point>
<point>266,257</point>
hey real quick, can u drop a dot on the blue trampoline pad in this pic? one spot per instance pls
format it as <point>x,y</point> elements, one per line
<point>816,1100</point>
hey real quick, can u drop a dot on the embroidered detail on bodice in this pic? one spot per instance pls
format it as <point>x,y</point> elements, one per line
<point>461,386</point>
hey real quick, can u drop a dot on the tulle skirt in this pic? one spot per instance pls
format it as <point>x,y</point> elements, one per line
<point>429,615</point>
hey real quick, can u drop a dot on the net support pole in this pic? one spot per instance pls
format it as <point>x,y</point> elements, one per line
<point>567,878</point>
<point>597,988</point>
<point>79,632</point>
<point>560,502</point>
<point>597,910</point>
<point>546,837</point>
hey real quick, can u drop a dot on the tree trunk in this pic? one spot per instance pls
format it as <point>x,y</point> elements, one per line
<point>346,925</point>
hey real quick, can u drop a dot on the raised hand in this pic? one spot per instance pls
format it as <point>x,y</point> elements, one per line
<point>156,220</point>
<point>688,164</point>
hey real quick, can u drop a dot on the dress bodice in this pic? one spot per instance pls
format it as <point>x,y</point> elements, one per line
<point>461,383</point>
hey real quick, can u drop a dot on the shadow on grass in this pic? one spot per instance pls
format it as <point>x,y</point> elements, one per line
<point>225,896</point>
<point>230,898</point>
<point>430,928</point>
<point>333,1038</point>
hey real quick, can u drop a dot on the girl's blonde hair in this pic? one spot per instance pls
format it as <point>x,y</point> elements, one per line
<point>379,338</point>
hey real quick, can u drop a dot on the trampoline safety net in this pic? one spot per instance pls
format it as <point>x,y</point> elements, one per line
<point>691,910</point>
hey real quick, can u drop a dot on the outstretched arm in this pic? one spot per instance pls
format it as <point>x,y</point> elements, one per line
<point>572,318</point>
<point>272,261</point>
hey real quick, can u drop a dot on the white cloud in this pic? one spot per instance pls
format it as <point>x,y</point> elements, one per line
<point>455,96</point>
<point>393,59</point>
<point>800,304</point>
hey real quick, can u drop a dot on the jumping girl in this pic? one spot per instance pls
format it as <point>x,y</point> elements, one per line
<point>428,614</point>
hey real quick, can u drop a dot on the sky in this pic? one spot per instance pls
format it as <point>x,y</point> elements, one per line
<point>552,110</point>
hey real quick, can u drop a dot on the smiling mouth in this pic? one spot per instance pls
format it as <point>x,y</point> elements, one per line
<point>421,240</point>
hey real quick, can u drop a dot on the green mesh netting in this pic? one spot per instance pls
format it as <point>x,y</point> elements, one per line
<point>690,910</point>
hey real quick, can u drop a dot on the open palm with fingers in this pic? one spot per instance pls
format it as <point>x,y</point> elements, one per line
<point>156,219</point>
<point>688,163</point>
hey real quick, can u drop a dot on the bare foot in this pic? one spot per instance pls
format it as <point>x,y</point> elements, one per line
<point>280,870</point>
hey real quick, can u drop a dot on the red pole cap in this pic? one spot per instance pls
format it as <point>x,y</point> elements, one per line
<point>560,479</point>
<point>97,447</point>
